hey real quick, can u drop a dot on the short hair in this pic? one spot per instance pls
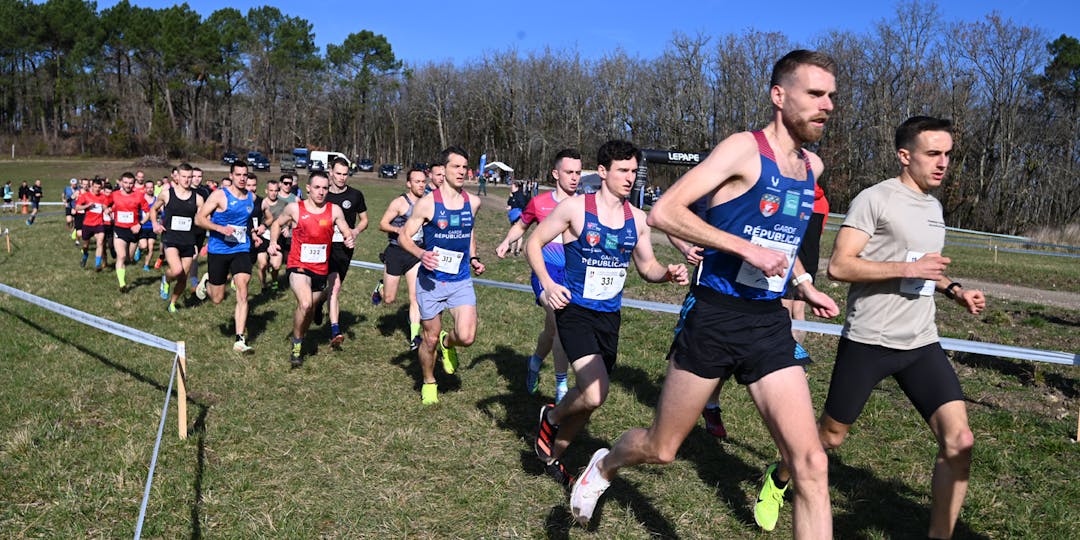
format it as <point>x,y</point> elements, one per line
<point>196,169</point>
<point>912,127</point>
<point>127,175</point>
<point>285,177</point>
<point>97,181</point>
<point>272,182</point>
<point>338,160</point>
<point>565,153</point>
<point>784,67</point>
<point>414,169</point>
<point>444,156</point>
<point>184,167</point>
<point>616,149</point>
<point>236,165</point>
<point>317,174</point>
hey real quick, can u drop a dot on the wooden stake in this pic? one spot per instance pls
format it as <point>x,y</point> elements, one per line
<point>181,392</point>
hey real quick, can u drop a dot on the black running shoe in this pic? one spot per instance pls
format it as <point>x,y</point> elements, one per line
<point>559,473</point>
<point>545,435</point>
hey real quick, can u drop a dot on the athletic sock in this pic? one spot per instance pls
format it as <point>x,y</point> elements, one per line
<point>560,378</point>
<point>776,479</point>
<point>121,275</point>
<point>712,406</point>
<point>414,330</point>
<point>335,329</point>
<point>97,261</point>
<point>535,362</point>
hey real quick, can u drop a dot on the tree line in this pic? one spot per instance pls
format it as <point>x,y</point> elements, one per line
<point>128,81</point>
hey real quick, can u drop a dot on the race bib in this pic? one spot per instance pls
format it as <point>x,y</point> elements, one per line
<point>915,286</point>
<point>338,237</point>
<point>449,261</point>
<point>239,234</point>
<point>603,283</point>
<point>752,276</point>
<point>313,253</point>
<point>254,222</point>
<point>95,208</point>
<point>180,223</point>
<point>125,217</point>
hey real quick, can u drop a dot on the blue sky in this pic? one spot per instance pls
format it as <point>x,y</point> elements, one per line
<point>433,31</point>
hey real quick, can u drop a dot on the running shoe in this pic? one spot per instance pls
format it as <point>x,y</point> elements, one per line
<point>163,289</point>
<point>587,489</point>
<point>558,472</point>
<point>241,346</point>
<point>770,501</point>
<point>336,341</point>
<point>714,424</point>
<point>545,435</point>
<point>157,263</point>
<point>376,295</point>
<point>429,394</point>
<point>560,392</point>
<point>296,359</point>
<point>73,233</point>
<point>532,377</point>
<point>415,342</point>
<point>82,263</point>
<point>138,254</point>
<point>172,307</point>
<point>146,268</point>
<point>200,289</point>
<point>449,355</point>
<point>232,284</point>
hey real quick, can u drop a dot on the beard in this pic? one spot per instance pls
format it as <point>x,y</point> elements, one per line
<point>803,130</point>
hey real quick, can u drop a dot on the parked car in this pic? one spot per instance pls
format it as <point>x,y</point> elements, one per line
<point>365,165</point>
<point>301,157</point>
<point>287,162</point>
<point>420,166</point>
<point>229,158</point>
<point>257,161</point>
<point>388,171</point>
<point>316,165</point>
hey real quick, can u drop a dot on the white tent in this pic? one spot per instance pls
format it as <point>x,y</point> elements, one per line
<point>499,165</point>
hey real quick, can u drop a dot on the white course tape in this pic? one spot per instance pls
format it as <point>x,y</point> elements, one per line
<point>157,446</point>
<point>976,347</point>
<point>106,325</point>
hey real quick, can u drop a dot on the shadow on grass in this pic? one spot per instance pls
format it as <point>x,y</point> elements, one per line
<point>409,362</point>
<point>521,415</point>
<point>199,428</point>
<point>874,506</point>
<point>1024,372</point>
<point>391,322</point>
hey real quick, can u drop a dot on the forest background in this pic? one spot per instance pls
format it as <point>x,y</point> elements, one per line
<point>128,81</point>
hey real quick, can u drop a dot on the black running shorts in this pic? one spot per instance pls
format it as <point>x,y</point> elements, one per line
<point>340,259</point>
<point>219,266</point>
<point>924,374</point>
<point>718,336</point>
<point>397,260</point>
<point>584,332</point>
<point>318,281</point>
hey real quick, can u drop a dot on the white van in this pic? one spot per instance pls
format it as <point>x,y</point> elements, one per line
<point>323,158</point>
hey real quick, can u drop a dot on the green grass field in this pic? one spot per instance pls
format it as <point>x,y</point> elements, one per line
<point>343,448</point>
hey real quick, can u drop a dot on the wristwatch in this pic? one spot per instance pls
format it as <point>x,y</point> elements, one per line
<point>949,290</point>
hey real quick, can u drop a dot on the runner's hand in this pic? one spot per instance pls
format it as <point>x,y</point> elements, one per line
<point>558,296</point>
<point>679,273</point>
<point>973,300</point>
<point>430,260</point>
<point>477,266</point>
<point>502,249</point>
<point>771,262</point>
<point>693,255</point>
<point>821,304</point>
<point>930,266</point>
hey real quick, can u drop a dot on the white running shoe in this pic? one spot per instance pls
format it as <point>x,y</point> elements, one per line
<point>587,489</point>
<point>200,289</point>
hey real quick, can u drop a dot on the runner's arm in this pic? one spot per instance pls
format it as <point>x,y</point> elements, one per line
<point>846,265</point>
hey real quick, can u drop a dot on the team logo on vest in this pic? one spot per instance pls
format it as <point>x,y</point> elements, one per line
<point>346,204</point>
<point>592,238</point>
<point>611,241</point>
<point>791,203</point>
<point>455,220</point>
<point>442,221</point>
<point>324,223</point>
<point>769,204</point>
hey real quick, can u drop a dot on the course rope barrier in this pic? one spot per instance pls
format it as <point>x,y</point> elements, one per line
<point>157,446</point>
<point>961,345</point>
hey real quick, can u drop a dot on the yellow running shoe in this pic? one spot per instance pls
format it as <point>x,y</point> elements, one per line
<point>770,501</point>
<point>449,355</point>
<point>429,394</point>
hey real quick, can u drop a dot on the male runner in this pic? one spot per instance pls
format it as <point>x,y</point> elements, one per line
<point>447,216</point>
<point>147,236</point>
<point>94,203</point>
<point>225,216</point>
<point>71,193</point>
<point>566,170</point>
<point>203,190</point>
<point>129,211</point>
<point>180,205</point>
<point>889,249</point>
<point>259,225</point>
<point>760,187</point>
<point>396,260</point>
<point>436,175</point>
<point>35,200</point>
<point>272,207</point>
<point>309,257</point>
<point>600,232</point>
<point>351,202</point>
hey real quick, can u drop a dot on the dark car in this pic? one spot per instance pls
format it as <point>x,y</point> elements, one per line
<point>229,158</point>
<point>365,165</point>
<point>258,161</point>
<point>420,166</point>
<point>388,171</point>
<point>316,165</point>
